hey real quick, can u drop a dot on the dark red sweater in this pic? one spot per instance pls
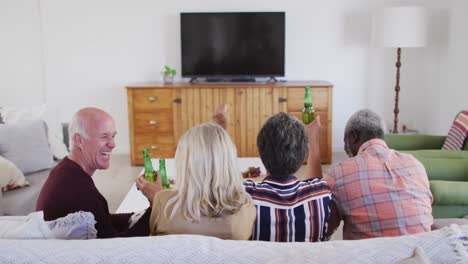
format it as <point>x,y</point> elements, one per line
<point>70,189</point>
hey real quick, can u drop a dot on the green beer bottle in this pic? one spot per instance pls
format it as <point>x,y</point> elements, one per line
<point>162,173</point>
<point>150,175</point>
<point>308,113</point>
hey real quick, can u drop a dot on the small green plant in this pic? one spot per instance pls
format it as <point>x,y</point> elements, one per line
<point>168,71</point>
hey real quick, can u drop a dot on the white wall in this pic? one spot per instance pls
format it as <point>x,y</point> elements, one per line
<point>21,64</point>
<point>452,93</point>
<point>433,78</point>
<point>92,49</point>
<point>83,53</point>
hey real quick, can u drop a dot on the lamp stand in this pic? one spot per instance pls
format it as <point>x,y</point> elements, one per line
<point>397,91</point>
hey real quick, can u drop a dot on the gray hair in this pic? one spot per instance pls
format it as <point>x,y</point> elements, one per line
<point>282,144</point>
<point>367,124</point>
<point>76,126</point>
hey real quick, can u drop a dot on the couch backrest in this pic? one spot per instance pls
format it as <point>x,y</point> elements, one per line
<point>440,246</point>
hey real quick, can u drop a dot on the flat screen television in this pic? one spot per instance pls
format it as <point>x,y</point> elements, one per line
<point>232,45</point>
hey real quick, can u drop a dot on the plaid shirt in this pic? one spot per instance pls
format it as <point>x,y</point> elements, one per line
<point>381,192</point>
<point>290,210</point>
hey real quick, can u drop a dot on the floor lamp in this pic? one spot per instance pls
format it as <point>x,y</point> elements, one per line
<point>403,27</point>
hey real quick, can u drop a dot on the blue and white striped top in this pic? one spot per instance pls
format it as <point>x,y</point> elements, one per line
<point>289,210</point>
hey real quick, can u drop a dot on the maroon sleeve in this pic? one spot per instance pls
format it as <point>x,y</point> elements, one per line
<point>120,221</point>
<point>105,221</point>
<point>106,228</point>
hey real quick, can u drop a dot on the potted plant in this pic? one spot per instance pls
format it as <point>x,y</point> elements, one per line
<point>169,74</point>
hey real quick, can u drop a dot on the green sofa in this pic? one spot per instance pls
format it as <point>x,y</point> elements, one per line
<point>447,171</point>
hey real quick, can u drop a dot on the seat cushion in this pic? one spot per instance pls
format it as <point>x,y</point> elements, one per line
<point>449,211</point>
<point>449,192</point>
<point>437,153</point>
<point>444,165</point>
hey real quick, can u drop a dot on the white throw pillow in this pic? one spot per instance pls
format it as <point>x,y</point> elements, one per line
<point>31,226</point>
<point>10,176</point>
<point>55,135</point>
<point>79,225</point>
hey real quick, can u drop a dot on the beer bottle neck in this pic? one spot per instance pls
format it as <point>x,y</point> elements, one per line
<point>307,98</point>
<point>148,165</point>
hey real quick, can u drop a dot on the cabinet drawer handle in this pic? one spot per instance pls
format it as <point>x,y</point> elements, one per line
<point>151,98</point>
<point>154,147</point>
<point>152,122</point>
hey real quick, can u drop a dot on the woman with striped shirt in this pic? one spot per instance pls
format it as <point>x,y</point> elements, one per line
<point>290,210</point>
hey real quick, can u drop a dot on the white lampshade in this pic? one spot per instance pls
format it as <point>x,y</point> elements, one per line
<point>405,26</point>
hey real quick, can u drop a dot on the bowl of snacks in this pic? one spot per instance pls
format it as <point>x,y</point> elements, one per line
<point>251,172</point>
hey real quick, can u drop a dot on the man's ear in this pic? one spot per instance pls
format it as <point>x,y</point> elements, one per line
<point>77,140</point>
<point>353,137</point>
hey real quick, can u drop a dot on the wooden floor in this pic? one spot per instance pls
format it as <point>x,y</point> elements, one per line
<point>115,182</point>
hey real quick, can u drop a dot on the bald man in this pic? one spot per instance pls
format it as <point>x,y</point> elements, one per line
<point>69,187</point>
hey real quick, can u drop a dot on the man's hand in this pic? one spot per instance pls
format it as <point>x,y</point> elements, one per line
<point>149,189</point>
<point>221,116</point>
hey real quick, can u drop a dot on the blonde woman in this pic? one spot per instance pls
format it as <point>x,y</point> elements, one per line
<point>209,197</point>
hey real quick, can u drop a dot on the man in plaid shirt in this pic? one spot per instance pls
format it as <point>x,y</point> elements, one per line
<point>378,191</point>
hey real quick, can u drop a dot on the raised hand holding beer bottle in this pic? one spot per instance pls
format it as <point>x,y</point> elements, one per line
<point>308,113</point>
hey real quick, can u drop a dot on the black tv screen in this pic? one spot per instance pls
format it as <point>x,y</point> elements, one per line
<point>232,44</point>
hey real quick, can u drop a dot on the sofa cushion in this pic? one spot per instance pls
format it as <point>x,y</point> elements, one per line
<point>449,211</point>
<point>458,132</point>
<point>439,154</point>
<point>441,246</point>
<point>451,168</point>
<point>13,115</point>
<point>449,192</point>
<point>10,176</point>
<point>25,144</point>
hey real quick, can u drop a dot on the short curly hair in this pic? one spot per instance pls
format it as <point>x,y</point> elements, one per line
<point>282,144</point>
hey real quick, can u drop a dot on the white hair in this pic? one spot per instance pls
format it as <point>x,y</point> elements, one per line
<point>367,123</point>
<point>208,179</point>
<point>76,126</point>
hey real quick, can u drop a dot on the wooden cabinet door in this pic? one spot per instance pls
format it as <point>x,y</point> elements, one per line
<point>195,106</point>
<point>150,123</point>
<point>254,105</point>
<point>321,99</point>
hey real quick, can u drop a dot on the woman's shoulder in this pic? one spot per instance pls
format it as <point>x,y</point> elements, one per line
<point>247,209</point>
<point>165,195</point>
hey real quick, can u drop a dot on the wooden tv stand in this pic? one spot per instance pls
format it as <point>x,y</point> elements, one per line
<point>158,114</point>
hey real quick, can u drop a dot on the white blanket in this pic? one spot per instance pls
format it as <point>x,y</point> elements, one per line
<point>447,245</point>
<point>79,225</point>
<point>31,226</point>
